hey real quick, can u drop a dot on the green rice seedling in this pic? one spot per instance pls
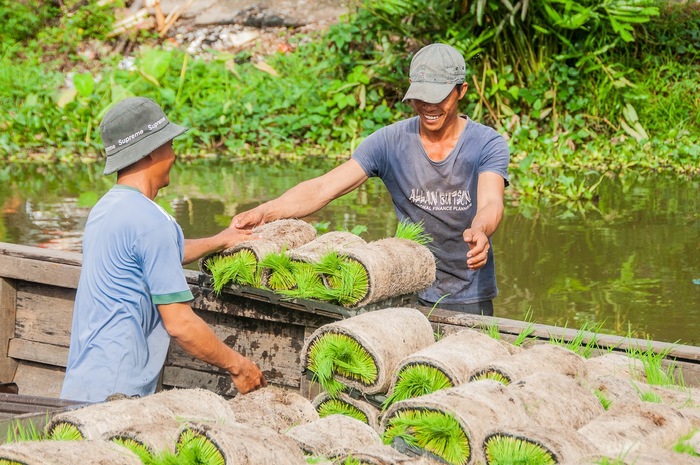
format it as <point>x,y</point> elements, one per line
<point>352,461</point>
<point>65,432</point>
<point>581,344</point>
<point>353,283</point>
<point>417,380</point>
<point>656,373</point>
<point>281,271</point>
<point>239,268</point>
<point>337,406</point>
<point>436,432</point>
<point>192,448</point>
<point>143,453</point>
<point>20,431</point>
<point>413,232</point>
<point>503,449</point>
<point>347,279</point>
<point>650,396</point>
<point>604,401</point>
<point>683,447</point>
<point>527,330</point>
<point>491,374</point>
<point>308,283</point>
<point>339,353</point>
<point>493,331</point>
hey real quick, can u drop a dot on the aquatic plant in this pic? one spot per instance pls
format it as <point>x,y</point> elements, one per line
<point>436,432</point>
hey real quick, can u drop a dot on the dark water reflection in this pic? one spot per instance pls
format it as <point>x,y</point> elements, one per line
<point>628,264</point>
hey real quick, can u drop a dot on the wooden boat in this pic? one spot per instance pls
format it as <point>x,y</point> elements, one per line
<point>37,289</point>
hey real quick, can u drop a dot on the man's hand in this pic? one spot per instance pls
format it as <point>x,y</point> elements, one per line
<point>248,219</point>
<point>479,247</point>
<point>248,377</point>
<point>231,237</point>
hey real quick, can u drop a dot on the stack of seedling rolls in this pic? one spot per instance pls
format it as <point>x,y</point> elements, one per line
<point>470,399</point>
<point>338,267</point>
<point>558,409</point>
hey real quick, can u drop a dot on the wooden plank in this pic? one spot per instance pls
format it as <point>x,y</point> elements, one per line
<point>38,253</point>
<point>47,354</point>
<point>275,347</point>
<point>185,378</point>
<point>39,271</point>
<point>35,379</point>
<point>514,327</point>
<point>207,300</point>
<point>44,313</point>
<point>8,298</point>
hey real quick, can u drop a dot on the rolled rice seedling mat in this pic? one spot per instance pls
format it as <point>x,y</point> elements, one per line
<point>381,455</point>
<point>693,416</point>
<point>535,445</point>
<point>93,421</point>
<point>612,390</point>
<point>240,444</point>
<point>272,237</point>
<point>616,389</point>
<point>334,241</point>
<point>147,439</point>
<point>394,267</point>
<point>344,404</point>
<point>616,364</point>
<point>274,407</point>
<point>374,341</point>
<point>540,357</point>
<point>556,401</point>
<point>49,452</point>
<point>331,435</point>
<point>626,427</point>
<point>641,457</point>
<point>452,423</point>
<point>445,363</point>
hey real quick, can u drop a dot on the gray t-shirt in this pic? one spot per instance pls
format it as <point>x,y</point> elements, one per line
<point>442,195</point>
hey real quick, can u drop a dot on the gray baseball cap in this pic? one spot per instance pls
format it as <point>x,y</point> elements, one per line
<point>132,129</point>
<point>435,70</point>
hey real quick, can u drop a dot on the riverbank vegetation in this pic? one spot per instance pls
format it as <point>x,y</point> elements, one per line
<point>581,89</point>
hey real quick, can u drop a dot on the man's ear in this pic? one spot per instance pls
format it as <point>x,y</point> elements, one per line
<point>463,90</point>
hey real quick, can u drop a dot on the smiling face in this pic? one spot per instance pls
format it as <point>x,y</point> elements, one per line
<point>439,118</point>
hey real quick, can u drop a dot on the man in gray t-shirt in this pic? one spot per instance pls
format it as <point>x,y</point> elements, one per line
<point>441,169</point>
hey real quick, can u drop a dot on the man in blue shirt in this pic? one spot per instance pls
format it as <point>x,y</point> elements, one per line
<point>132,296</point>
<point>441,169</point>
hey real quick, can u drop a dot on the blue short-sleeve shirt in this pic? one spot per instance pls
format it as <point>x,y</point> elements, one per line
<point>442,195</point>
<point>132,262</point>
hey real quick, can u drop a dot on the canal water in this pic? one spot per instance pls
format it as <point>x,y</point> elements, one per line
<point>627,263</point>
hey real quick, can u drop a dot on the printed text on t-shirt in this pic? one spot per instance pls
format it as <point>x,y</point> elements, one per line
<point>437,200</point>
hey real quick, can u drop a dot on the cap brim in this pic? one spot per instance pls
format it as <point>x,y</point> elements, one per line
<point>140,149</point>
<point>429,92</point>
